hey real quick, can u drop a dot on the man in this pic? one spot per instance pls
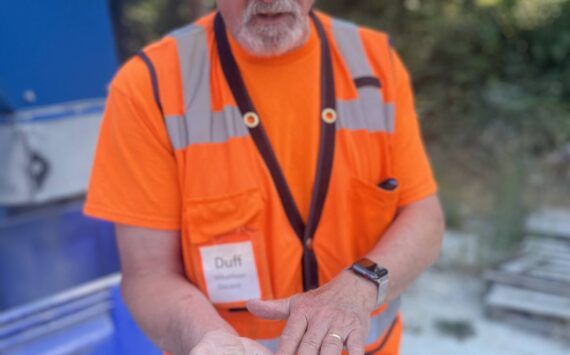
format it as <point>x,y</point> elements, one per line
<point>231,241</point>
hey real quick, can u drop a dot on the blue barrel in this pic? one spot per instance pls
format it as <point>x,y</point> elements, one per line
<point>59,287</point>
<point>51,250</point>
<point>90,319</point>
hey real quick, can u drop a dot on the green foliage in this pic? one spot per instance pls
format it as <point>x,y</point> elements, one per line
<point>510,207</point>
<point>493,67</point>
<point>140,22</point>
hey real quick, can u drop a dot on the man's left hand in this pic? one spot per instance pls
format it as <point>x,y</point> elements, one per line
<point>324,320</point>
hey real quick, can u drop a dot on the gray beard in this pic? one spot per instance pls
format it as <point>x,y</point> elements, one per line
<point>271,40</point>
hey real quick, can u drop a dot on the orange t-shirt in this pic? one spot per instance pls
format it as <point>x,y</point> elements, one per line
<point>135,179</point>
<point>292,122</point>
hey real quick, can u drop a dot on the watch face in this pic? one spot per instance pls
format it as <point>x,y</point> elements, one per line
<point>370,269</point>
<point>382,272</point>
<point>367,263</point>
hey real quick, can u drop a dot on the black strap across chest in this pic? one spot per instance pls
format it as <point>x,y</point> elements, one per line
<point>305,233</point>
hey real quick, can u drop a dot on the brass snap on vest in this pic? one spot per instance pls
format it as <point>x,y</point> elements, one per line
<point>329,115</point>
<point>251,119</point>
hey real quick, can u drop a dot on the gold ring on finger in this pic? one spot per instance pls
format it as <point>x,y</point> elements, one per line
<point>336,336</point>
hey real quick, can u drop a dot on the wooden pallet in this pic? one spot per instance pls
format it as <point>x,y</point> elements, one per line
<point>532,289</point>
<point>553,222</point>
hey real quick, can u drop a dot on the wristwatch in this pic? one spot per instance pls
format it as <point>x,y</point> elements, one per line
<point>375,273</point>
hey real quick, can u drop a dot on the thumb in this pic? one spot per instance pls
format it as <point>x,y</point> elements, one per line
<point>273,310</point>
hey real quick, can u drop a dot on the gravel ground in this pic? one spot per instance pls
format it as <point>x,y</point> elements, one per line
<point>443,315</point>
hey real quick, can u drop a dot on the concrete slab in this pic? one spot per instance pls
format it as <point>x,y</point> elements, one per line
<point>553,222</point>
<point>460,250</point>
<point>443,315</point>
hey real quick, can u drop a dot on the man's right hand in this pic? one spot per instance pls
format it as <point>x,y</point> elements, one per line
<point>220,342</point>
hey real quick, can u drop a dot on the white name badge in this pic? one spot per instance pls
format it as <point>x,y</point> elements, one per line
<point>230,272</point>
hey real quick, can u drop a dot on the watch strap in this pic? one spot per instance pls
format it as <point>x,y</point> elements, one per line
<point>374,273</point>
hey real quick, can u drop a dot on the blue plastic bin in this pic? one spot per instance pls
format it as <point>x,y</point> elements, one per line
<point>44,256</point>
<point>49,251</point>
<point>91,319</point>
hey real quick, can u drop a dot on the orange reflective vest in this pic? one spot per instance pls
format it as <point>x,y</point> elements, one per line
<point>234,190</point>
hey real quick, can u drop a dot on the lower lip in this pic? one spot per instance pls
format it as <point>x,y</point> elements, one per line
<point>269,19</point>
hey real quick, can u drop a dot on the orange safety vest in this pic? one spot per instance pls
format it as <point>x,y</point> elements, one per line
<point>234,190</point>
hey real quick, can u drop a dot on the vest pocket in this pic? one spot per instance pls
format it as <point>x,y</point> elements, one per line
<point>373,209</point>
<point>227,248</point>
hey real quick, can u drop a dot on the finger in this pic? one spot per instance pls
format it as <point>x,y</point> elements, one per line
<point>202,349</point>
<point>333,345</point>
<point>292,334</point>
<point>275,309</point>
<point>254,348</point>
<point>355,343</point>
<point>198,350</point>
<point>314,335</point>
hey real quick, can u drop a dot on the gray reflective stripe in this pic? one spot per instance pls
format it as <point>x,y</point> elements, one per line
<point>219,127</point>
<point>367,113</point>
<point>378,326</point>
<point>195,67</point>
<point>382,322</point>
<point>199,123</point>
<point>370,112</point>
<point>176,127</point>
<point>194,59</point>
<point>390,110</point>
<point>347,38</point>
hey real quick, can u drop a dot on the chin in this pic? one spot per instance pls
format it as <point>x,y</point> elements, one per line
<point>271,40</point>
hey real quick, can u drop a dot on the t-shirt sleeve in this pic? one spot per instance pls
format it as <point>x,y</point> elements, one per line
<point>411,164</point>
<point>134,178</point>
